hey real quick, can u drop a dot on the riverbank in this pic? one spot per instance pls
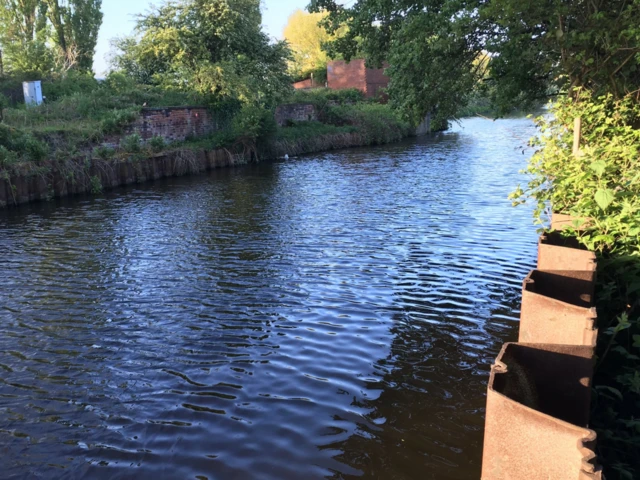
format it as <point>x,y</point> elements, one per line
<point>60,149</point>
<point>96,175</point>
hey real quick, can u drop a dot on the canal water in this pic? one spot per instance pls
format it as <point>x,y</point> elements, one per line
<point>330,316</point>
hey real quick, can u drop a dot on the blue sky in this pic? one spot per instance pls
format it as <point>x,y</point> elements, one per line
<point>119,20</point>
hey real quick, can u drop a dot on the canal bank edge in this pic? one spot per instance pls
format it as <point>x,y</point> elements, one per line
<point>93,177</point>
<point>539,393</point>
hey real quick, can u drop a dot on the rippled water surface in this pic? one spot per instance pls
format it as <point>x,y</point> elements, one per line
<point>329,316</point>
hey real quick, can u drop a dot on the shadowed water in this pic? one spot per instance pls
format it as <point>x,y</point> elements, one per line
<point>329,316</point>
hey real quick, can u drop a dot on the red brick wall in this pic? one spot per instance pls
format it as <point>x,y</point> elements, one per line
<point>376,81</point>
<point>174,124</point>
<point>303,84</point>
<point>342,75</point>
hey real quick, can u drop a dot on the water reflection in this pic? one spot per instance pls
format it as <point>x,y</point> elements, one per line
<point>332,316</point>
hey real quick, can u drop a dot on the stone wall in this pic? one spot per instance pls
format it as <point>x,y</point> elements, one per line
<point>297,112</point>
<point>173,124</point>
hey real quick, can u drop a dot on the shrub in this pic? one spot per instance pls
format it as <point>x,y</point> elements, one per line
<point>104,153</point>
<point>379,123</point>
<point>157,144</point>
<point>96,185</point>
<point>20,146</point>
<point>601,182</point>
<point>322,97</point>
<point>71,83</point>
<point>117,120</point>
<point>7,157</point>
<point>132,143</point>
<point>4,103</point>
<point>253,125</point>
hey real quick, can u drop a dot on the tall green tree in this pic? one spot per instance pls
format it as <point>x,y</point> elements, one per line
<point>23,36</point>
<point>306,37</point>
<point>215,47</point>
<point>537,48</point>
<point>41,35</point>
<point>76,24</point>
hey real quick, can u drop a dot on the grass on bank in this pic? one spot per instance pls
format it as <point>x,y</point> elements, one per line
<point>80,113</point>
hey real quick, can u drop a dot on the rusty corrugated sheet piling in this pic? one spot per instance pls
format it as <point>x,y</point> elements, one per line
<point>539,390</point>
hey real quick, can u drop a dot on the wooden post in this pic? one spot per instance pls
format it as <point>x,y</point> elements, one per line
<point>577,136</point>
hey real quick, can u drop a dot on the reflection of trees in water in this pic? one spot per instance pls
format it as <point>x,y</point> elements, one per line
<point>428,420</point>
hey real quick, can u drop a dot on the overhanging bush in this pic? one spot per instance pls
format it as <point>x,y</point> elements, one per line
<point>379,123</point>
<point>601,182</point>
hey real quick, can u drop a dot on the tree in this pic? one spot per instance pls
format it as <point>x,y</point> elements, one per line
<point>76,24</point>
<point>538,49</point>
<point>39,36</point>
<point>306,38</point>
<point>23,36</point>
<point>215,47</point>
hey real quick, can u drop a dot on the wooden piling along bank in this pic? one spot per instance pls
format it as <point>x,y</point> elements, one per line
<point>539,392</point>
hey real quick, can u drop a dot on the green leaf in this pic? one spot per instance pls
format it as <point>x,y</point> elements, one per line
<point>615,391</point>
<point>599,167</point>
<point>625,353</point>
<point>604,197</point>
<point>636,341</point>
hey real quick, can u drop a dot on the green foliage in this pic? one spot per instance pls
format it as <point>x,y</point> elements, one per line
<point>70,83</point>
<point>250,128</point>
<point>537,48</point>
<point>603,181</point>
<point>216,48</point>
<point>132,143</point>
<point>378,123</point>
<point>104,153</point>
<point>4,103</point>
<point>157,144</point>
<point>18,146</point>
<point>45,36</point>
<point>96,185</point>
<point>24,32</point>
<point>255,124</point>
<point>305,37</point>
<point>76,24</point>
<point>7,158</point>
<point>602,184</point>
<point>310,130</point>
<point>116,120</point>
<point>321,97</point>
<point>93,108</point>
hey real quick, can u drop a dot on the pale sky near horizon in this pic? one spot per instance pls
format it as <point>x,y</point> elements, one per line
<point>119,20</point>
